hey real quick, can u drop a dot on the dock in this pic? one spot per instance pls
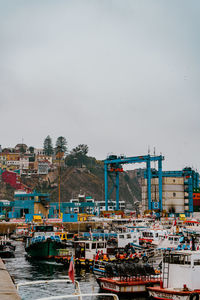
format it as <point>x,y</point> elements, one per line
<point>8,290</point>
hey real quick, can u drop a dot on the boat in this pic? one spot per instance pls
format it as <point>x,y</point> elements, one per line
<point>180,276</point>
<point>128,278</point>
<point>44,244</point>
<point>171,241</point>
<point>7,249</point>
<point>85,252</point>
<point>21,232</point>
<point>98,268</point>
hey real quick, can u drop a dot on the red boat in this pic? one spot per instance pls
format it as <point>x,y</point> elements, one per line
<point>132,286</point>
<point>128,278</point>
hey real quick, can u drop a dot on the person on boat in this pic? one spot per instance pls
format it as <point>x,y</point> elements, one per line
<point>105,256</point>
<point>117,255</point>
<point>144,254</point>
<point>78,251</point>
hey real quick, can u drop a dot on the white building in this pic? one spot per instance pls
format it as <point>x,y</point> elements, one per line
<point>24,163</point>
<point>39,151</point>
<point>111,205</point>
<point>43,167</point>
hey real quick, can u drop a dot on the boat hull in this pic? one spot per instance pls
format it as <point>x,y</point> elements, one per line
<point>44,249</point>
<point>126,287</point>
<point>167,294</point>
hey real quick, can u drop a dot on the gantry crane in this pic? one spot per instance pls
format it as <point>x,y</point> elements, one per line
<point>113,167</point>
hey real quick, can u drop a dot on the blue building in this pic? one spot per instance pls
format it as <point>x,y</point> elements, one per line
<point>30,203</point>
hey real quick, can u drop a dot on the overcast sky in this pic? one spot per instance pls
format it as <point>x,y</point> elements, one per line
<point>117,75</point>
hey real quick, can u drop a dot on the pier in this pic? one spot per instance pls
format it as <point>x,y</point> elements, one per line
<point>8,290</point>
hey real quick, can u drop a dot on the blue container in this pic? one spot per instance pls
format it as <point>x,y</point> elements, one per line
<point>70,218</point>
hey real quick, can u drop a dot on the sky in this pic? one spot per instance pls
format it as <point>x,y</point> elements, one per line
<point>122,76</point>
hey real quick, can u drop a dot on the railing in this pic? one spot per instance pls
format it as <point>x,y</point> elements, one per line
<point>115,297</point>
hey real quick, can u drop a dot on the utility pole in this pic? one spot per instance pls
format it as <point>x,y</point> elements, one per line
<point>59,175</point>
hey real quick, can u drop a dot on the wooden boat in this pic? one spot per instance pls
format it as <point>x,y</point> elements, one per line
<point>181,276</point>
<point>128,278</point>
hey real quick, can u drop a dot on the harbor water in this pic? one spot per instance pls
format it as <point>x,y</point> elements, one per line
<point>22,269</point>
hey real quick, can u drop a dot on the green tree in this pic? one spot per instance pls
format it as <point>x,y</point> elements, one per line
<point>48,147</point>
<point>22,148</point>
<point>31,149</point>
<point>78,156</point>
<point>81,149</point>
<point>61,145</point>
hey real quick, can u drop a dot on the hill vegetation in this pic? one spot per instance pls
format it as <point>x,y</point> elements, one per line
<point>85,176</point>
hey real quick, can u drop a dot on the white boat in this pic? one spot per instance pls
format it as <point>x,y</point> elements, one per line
<point>181,276</point>
<point>126,238</point>
<point>153,236</point>
<point>170,241</point>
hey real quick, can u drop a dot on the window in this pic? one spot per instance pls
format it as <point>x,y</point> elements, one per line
<point>128,236</point>
<point>100,245</point>
<point>197,262</point>
<point>93,245</point>
<point>121,236</point>
<point>87,246</point>
<point>178,259</point>
<point>174,194</point>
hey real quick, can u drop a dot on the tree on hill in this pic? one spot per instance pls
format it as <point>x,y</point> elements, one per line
<point>48,147</point>
<point>78,156</point>
<point>31,149</point>
<point>61,145</point>
<point>22,149</point>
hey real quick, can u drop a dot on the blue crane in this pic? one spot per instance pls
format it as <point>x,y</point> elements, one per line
<point>113,167</point>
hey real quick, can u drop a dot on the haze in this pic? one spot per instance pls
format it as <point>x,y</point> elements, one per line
<point>119,76</point>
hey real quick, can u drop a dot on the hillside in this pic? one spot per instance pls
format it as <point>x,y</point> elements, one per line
<point>85,180</point>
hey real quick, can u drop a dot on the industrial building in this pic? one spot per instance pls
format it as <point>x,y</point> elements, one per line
<point>179,192</point>
<point>29,204</point>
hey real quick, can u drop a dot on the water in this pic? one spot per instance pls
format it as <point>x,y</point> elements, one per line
<point>23,270</point>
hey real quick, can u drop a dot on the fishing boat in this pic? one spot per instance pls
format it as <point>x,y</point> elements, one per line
<point>21,232</point>
<point>85,252</point>
<point>180,276</point>
<point>44,244</point>
<point>128,278</point>
<point>7,249</point>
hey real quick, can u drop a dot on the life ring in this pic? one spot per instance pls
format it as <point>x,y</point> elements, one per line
<point>144,258</point>
<point>194,296</point>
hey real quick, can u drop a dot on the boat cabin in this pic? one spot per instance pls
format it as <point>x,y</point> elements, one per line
<point>65,236</point>
<point>170,242</point>
<point>150,236</point>
<point>181,268</point>
<point>43,231</point>
<point>126,238</point>
<point>89,249</point>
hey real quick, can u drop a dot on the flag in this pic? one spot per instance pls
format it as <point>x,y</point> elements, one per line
<point>97,256</point>
<point>71,269</point>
